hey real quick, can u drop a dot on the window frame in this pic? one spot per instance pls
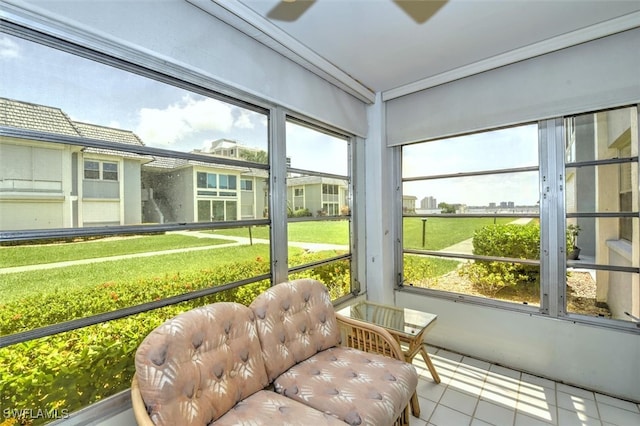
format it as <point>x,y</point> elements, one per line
<point>553,145</point>
<point>146,65</point>
<point>101,170</point>
<point>351,140</point>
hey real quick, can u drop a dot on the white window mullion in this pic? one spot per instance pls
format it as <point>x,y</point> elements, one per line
<point>552,213</point>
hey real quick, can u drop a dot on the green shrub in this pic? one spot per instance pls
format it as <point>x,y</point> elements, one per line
<point>70,370</point>
<point>298,213</point>
<point>423,270</point>
<point>335,275</point>
<point>510,240</point>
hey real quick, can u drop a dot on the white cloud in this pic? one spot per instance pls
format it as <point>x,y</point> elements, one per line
<point>243,121</point>
<point>8,48</point>
<point>177,122</point>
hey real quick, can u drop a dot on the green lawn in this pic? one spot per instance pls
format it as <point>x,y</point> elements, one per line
<point>328,232</point>
<point>49,253</point>
<point>441,232</point>
<point>16,285</point>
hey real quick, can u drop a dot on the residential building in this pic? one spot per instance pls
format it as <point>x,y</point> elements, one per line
<point>49,185</point>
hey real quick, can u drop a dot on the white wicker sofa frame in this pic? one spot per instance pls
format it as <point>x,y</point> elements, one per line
<point>287,359</point>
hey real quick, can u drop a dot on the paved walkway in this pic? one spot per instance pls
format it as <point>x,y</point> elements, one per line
<point>234,241</point>
<point>463,247</point>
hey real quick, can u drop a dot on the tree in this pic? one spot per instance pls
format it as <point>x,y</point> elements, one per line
<point>447,208</point>
<point>255,156</point>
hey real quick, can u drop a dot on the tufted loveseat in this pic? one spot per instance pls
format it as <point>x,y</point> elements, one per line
<point>279,361</point>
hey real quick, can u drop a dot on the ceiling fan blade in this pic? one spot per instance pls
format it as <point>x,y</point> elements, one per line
<point>420,10</point>
<point>289,11</point>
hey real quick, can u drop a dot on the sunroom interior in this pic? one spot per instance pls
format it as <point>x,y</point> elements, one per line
<point>437,163</point>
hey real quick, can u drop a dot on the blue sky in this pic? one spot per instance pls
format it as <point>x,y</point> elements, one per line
<point>169,117</point>
<point>500,149</point>
<point>161,115</point>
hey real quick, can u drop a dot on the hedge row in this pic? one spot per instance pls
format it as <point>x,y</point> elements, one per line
<point>71,370</point>
<point>512,241</point>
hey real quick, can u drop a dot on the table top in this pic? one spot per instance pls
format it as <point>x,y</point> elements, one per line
<point>404,321</point>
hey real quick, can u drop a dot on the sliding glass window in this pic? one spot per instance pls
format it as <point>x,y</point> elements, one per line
<point>470,208</point>
<point>319,205</point>
<point>601,163</point>
<point>125,197</point>
<point>479,209</point>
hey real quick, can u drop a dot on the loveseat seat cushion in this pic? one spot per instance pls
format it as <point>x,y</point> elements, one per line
<point>295,320</point>
<point>193,368</point>
<point>358,387</point>
<point>267,408</point>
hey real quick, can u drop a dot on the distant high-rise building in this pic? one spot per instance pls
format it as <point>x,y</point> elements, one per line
<point>428,203</point>
<point>492,205</point>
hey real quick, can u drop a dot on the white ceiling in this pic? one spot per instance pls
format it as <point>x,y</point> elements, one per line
<point>382,47</point>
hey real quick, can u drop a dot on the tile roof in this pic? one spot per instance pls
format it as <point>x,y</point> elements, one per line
<point>25,115</point>
<point>29,116</point>
<point>41,118</point>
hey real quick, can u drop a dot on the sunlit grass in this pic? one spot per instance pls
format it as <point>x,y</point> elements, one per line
<point>48,253</point>
<point>17,285</point>
<point>441,232</point>
<point>327,232</point>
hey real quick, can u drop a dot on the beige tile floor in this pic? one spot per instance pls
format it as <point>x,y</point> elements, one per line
<point>478,393</point>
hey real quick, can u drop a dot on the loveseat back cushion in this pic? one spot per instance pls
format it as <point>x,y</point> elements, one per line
<point>196,366</point>
<point>360,388</point>
<point>295,320</point>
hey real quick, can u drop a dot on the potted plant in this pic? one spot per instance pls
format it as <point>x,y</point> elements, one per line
<point>573,251</point>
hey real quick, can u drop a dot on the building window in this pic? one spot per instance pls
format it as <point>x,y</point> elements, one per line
<point>498,210</point>
<point>94,303</point>
<point>317,155</point>
<point>602,211</point>
<point>91,169</point>
<point>487,223</point>
<point>217,210</point>
<point>100,170</point>
<point>246,184</point>
<point>109,171</point>
<point>208,182</point>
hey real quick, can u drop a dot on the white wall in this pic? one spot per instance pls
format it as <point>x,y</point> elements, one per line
<point>595,358</point>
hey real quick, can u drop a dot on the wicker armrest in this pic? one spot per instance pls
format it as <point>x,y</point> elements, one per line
<point>368,337</point>
<point>139,409</point>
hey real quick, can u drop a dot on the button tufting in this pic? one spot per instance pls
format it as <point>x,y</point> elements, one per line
<point>159,356</point>
<point>218,371</point>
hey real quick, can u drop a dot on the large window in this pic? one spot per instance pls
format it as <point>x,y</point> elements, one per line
<point>478,217</point>
<point>128,196</point>
<point>480,209</point>
<point>318,205</point>
<point>601,164</point>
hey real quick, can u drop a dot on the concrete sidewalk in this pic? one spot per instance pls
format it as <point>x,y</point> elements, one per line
<point>233,242</point>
